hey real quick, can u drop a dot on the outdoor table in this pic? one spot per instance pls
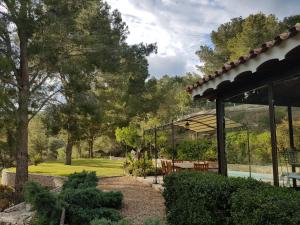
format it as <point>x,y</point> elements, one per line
<point>186,166</point>
<point>190,166</point>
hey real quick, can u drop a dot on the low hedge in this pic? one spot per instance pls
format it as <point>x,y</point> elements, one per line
<point>270,206</point>
<point>194,198</point>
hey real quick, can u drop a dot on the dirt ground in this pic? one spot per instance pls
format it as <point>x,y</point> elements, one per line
<point>140,201</point>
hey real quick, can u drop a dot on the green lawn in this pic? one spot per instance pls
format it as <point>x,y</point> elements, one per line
<point>102,167</point>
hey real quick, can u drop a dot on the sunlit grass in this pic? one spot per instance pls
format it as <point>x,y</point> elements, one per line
<point>102,167</point>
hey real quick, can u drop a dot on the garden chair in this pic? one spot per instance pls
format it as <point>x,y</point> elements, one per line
<point>212,165</point>
<point>289,157</point>
<point>201,167</point>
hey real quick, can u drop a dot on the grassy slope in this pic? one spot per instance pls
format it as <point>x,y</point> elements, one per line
<point>103,167</point>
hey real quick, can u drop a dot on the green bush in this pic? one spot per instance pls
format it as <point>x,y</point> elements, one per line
<point>85,202</point>
<point>48,208</point>
<point>84,197</point>
<point>140,167</point>
<point>80,197</point>
<point>82,216</point>
<point>112,199</point>
<point>195,198</point>
<point>93,198</point>
<point>81,180</point>
<point>276,206</point>
<point>6,197</point>
<point>204,198</point>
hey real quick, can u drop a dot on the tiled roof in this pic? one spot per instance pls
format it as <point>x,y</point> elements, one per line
<point>252,54</point>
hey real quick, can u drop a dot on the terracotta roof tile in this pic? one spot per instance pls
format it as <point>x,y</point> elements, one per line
<point>252,54</point>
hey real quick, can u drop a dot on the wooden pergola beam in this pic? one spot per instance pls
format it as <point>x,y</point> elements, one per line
<point>291,139</point>
<point>222,159</point>
<point>273,134</point>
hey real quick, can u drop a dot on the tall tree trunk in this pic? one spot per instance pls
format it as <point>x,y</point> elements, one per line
<point>91,147</point>
<point>11,144</point>
<point>90,153</point>
<point>78,144</point>
<point>22,118</point>
<point>69,149</point>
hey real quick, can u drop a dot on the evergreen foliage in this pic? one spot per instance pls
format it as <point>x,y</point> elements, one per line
<point>80,197</point>
<point>211,199</point>
<point>237,37</point>
<point>81,180</point>
<point>46,204</point>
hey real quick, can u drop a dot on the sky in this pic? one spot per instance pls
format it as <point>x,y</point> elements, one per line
<point>180,27</point>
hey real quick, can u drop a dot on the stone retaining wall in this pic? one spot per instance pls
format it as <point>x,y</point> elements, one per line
<point>8,178</point>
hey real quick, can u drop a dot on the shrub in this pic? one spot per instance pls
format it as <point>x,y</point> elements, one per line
<point>85,202</point>
<point>46,204</point>
<point>278,206</point>
<point>81,180</point>
<point>93,198</point>
<point>80,197</point>
<point>6,197</point>
<point>140,167</point>
<point>85,198</point>
<point>195,198</point>
<point>112,199</point>
<point>203,198</point>
<point>82,216</point>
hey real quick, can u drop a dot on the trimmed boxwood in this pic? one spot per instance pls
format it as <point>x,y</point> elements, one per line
<point>194,200</point>
<point>280,206</point>
<point>210,199</point>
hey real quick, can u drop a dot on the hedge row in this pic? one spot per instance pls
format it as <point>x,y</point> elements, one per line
<point>194,198</point>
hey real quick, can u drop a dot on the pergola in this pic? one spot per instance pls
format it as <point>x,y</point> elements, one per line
<point>269,75</point>
<point>199,123</point>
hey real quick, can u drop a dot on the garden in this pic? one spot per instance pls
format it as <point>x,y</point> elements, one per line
<point>113,114</point>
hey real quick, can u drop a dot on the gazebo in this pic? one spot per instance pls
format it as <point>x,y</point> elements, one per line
<point>269,75</point>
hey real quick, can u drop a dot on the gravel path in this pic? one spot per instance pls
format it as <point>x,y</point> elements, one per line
<point>140,201</point>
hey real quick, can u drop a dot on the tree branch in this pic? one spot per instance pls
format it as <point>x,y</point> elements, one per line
<point>43,104</point>
<point>36,87</point>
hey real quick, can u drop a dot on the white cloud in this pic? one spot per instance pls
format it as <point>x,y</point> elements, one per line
<point>179,27</point>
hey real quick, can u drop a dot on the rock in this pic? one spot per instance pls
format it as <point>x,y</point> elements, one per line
<point>20,214</point>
